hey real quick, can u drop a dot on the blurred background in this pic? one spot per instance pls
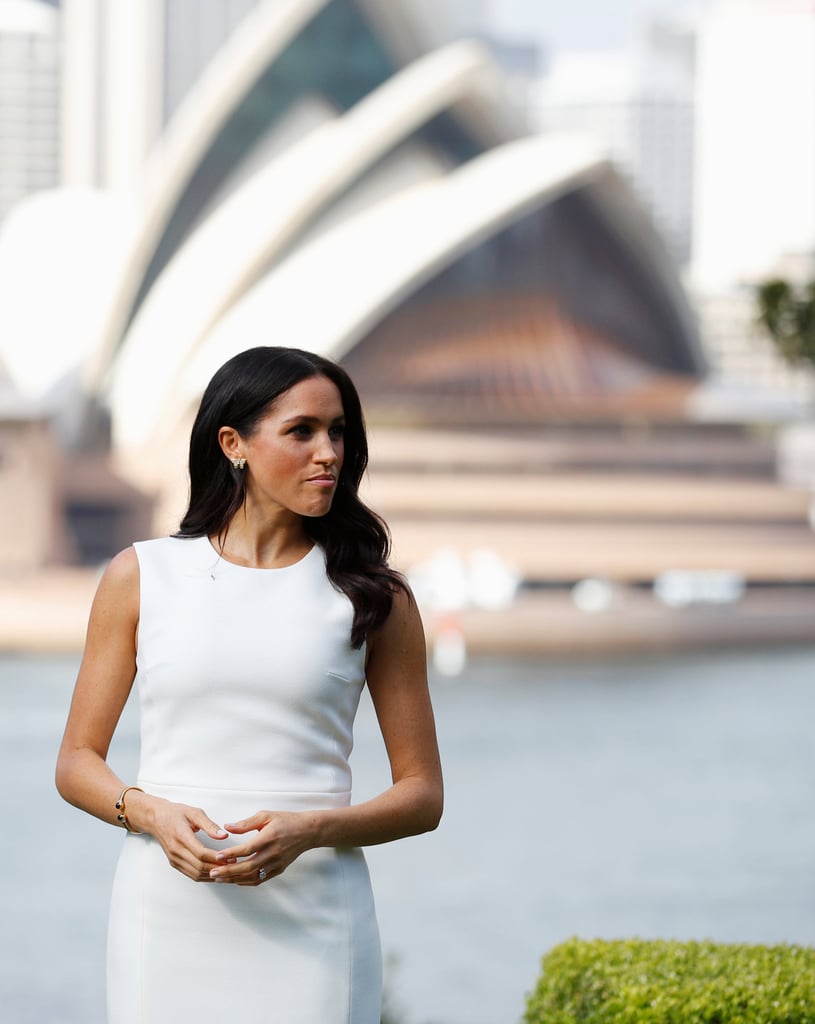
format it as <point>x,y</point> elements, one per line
<point>567,253</point>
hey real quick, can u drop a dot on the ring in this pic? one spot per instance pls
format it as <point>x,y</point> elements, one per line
<point>262,874</point>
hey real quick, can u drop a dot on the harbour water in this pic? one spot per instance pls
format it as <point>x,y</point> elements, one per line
<point>660,797</point>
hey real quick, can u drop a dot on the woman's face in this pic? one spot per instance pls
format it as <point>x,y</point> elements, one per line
<point>294,456</point>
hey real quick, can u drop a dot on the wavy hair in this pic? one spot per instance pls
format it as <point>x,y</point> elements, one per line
<point>356,541</point>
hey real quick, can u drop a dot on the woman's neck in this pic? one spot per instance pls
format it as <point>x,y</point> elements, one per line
<point>263,542</point>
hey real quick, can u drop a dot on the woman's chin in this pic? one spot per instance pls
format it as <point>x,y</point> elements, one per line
<point>317,509</point>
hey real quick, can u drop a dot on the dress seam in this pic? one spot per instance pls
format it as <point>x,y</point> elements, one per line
<point>241,789</point>
<point>350,937</point>
<point>142,999</point>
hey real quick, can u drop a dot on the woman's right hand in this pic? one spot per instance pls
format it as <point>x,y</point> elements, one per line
<point>174,826</point>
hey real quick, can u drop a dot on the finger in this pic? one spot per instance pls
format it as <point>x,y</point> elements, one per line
<point>247,877</point>
<point>234,853</point>
<point>235,871</point>
<point>251,824</point>
<point>183,846</point>
<point>199,820</point>
<point>184,860</point>
<point>197,866</point>
<point>196,850</point>
<point>260,875</point>
<point>212,857</point>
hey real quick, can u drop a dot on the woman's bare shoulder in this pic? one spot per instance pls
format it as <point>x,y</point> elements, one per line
<point>402,630</point>
<point>119,585</point>
<point>122,569</point>
<point>404,605</point>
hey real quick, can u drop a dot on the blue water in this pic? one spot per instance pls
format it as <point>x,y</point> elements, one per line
<point>660,797</point>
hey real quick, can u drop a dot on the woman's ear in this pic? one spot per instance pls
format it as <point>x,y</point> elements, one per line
<point>230,441</point>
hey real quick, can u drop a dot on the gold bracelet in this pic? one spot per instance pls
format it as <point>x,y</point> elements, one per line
<point>120,807</point>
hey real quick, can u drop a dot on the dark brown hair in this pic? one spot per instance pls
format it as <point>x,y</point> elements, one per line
<point>355,539</point>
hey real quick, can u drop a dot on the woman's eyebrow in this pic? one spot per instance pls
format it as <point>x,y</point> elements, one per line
<point>304,418</point>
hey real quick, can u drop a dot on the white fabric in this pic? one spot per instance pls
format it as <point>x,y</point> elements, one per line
<point>248,688</point>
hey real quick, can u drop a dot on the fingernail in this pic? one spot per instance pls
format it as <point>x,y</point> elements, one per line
<point>220,832</point>
<point>220,856</point>
<point>215,876</point>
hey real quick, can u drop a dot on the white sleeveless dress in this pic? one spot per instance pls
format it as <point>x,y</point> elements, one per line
<point>248,688</point>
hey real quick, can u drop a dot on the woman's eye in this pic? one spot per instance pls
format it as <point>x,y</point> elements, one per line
<point>304,430</point>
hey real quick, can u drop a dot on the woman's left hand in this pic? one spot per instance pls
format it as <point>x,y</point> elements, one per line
<point>281,837</point>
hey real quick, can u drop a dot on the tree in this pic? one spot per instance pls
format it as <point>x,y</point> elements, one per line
<point>787,314</point>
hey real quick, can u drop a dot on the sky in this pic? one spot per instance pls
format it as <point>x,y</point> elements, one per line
<point>558,25</point>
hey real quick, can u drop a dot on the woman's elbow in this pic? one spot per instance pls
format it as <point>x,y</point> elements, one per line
<point>432,809</point>
<point>65,777</point>
<point>62,778</point>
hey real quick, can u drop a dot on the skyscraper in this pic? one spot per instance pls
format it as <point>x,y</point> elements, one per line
<point>454,17</point>
<point>111,91</point>
<point>755,161</point>
<point>640,111</point>
<point>128,66</point>
<point>29,84</point>
<point>193,31</point>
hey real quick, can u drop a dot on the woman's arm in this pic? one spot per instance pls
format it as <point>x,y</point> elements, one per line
<point>105,678</point>
<point>397,680</point>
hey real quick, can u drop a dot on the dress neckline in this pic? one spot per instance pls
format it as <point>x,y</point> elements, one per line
<point>221,560</point>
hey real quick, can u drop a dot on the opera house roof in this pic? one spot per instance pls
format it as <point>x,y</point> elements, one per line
<point>334,182</point>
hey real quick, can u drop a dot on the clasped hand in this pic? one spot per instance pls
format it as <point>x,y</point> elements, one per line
<point>281,836</point>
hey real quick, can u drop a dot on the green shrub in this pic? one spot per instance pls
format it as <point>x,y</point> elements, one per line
<point>638,982</point>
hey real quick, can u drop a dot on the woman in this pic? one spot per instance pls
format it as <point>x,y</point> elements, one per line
<point>250,633</point>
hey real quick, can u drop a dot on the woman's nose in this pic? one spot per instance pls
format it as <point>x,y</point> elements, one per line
<point>325,451</point>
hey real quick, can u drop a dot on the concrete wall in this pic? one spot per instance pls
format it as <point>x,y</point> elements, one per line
<point>30,522</point>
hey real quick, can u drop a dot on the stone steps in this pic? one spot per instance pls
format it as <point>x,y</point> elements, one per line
<point>606,497</point>
<point>559,553</point>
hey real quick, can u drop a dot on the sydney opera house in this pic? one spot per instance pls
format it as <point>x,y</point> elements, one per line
<point>336,181</point>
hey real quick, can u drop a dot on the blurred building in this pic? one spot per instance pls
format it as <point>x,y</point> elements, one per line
<point>641,112</point>
<point>334,175</point>
<point>333,178</point>
<point>57,507</point>
<point>29,100</point>
<point>30,471</point>
<point>455,18</point>
<point>745,361</point>
<point>754,214</point>
<point>190,33</point>
<point>521,59</point>
<point>132,64</point>
<point>755,162</point>
<point>509,333</point>
<point>112,92</point>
